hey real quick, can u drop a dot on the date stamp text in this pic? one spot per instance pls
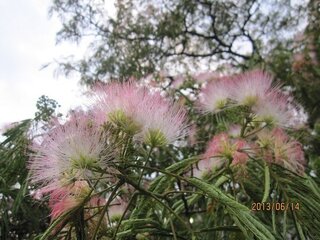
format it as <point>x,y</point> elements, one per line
<point>275,206</point>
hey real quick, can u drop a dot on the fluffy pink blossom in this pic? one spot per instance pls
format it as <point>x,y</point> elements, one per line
<point>67,198</point>
<point>216,95</point>
<point>147,115</point>
<point>278,147</point>
<point>118,103</point>
<point>163,122</point>
<point>251,87</point>
<point>63,206</point>
<point>67,153</point>
<point>274,109</point>
<point>219,150</point>
<point>239,155</point>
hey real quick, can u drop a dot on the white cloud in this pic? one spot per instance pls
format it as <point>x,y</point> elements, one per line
<point>27,42</point>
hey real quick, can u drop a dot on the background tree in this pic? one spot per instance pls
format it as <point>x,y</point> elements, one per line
<point>184,36</point>
<point>175,36</point>
<point>20,216</point>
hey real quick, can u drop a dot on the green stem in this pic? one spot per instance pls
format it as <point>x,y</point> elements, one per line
<point>173,230</point>
<point>298,226</point>
<point>127,144</point>
<point>80,226</point>
<point>222,228</point>
<point>185,96</point>
<point>156,197</point>
<point>255,131</point>
<point>165,194</point>
<point>123,214</point>
<point>284,224</point>
<point>113,193</point>
<point>68,237</point>
<point>59,221</point>
<point>144,165</point>
<point>274,226</point>
<point>266,183</point>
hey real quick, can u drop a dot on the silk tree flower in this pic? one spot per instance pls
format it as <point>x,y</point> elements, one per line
<point>221,150</point>
<point>72,197</point>
<point>251,87</point>
<point>216,95</point>
<point>67,153</point>
<point>278,147</point>
<point>118,103</point>
<point>146,115</point>
<point>240,154</point>
<point>163,122</point>
<point>66,198</point>
<point>274,109</point>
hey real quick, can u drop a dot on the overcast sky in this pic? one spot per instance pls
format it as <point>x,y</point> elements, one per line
<point>27,42</point>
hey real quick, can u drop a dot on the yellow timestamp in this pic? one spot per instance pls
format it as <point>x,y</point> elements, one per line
<point>277,206</point>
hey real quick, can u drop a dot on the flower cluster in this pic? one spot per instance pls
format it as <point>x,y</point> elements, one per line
<point>265,106</point>
<point>68,152</point>
<point>222,150</point>
<point>254,90</point>
<point>278,147</point>
<point>217,94</point>
<point>272,146</point>
<point>96,161</point>
<point>75,152</point>
<point>67,198</point>
<point>147,116</point>
<point>65,160</point>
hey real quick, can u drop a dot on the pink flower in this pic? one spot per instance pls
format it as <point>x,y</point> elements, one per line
<point>216,95</point>
<point>220,150</point>
<point>66,198</point>
<point>67,153</point>
<point>274,109</point>
<point>144,114</point>
<point>251,87</point>
<point>163,122</point>
<point>240,156</point>
<point>279,148</point>
<point>118,103</point>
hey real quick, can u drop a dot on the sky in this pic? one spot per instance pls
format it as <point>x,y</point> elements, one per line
<point>27,42</point>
